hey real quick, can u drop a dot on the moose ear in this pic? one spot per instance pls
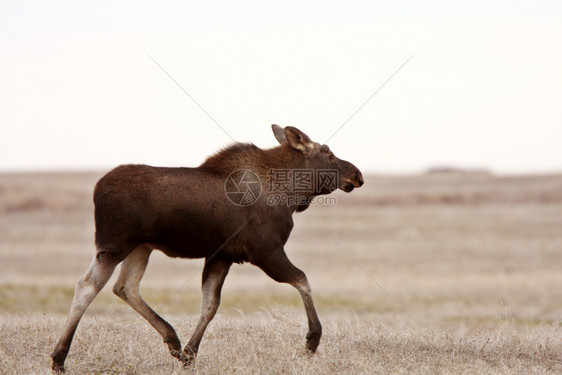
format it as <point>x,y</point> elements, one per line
<point>298,139</point>
<point>279,133</point>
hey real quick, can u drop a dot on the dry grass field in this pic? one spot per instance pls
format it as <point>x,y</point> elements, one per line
<point>472,264</point>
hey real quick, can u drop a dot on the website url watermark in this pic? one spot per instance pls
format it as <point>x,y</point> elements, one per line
<point>298,200</point>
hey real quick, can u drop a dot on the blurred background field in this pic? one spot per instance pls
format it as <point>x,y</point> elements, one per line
<point>451,248</point>
<point>461,253</point>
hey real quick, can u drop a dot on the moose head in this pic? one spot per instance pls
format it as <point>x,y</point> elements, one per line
<point>320,157</point>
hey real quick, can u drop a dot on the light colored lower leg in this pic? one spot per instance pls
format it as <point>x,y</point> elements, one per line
<point>86,290</point>
<point>306,293</point>
<point>214,274</point>
<point>127,288</point>
<point>209,306</point>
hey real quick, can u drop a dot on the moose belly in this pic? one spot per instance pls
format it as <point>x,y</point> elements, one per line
<point>189,234</point>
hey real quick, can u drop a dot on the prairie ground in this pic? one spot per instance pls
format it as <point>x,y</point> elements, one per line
<point>441,273</point>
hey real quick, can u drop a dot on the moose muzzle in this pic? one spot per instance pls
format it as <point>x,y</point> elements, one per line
<point>350,176</point>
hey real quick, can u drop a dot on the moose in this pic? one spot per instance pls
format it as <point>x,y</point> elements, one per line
<point>187,213</point>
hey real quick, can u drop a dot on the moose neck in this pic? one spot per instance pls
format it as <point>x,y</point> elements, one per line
<point>283,157</point>
<point>248,156</point>
<point>288,178</point>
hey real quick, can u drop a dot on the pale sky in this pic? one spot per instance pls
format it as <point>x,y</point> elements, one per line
<point>78,89</point>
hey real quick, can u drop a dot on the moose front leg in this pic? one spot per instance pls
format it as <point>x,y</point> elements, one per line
<point>279,268</point>
<point>314,326</point>
<point>214,273</point>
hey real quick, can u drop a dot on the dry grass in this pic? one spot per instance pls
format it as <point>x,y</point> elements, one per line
<point>474,259</point>
<point>272,342</point>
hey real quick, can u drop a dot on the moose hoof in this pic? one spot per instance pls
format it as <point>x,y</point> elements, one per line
<point>188,356</point>
<point>174,346</point>
<point>58,368</point>
<point>313,340</point>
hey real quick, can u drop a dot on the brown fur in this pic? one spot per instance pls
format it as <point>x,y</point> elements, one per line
<point>248,156</point>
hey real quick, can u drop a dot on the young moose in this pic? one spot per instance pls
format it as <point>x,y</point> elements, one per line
<point>185,212</point>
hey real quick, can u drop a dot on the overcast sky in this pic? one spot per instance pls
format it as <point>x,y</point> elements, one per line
<point>79,89</point>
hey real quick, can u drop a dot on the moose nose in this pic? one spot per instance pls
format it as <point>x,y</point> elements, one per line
<point>356,180</point>
<point>360,179</point>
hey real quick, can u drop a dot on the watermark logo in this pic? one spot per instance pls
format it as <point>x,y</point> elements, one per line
<point>287,187</point>
<point>243,187</point>
<point>295,181</point>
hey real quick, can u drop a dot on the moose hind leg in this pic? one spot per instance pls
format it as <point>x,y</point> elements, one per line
<point>87,288</point>
<point>127,288</point>
<point>214,273</point>
<point>280,269</point>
